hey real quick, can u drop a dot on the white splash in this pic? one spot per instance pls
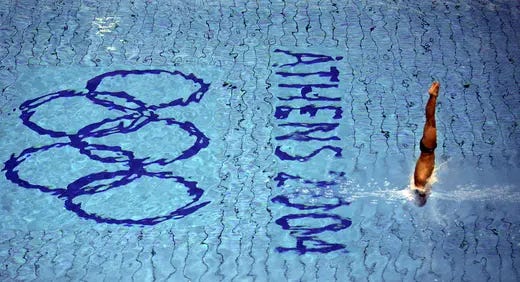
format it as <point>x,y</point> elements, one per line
<point>473,192</point>
<point>439,192</point>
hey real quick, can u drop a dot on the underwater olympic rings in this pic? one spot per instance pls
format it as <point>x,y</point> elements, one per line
<point>135,114</point>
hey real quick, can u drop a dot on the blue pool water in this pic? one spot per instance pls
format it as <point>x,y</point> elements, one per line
<point>257,140</point>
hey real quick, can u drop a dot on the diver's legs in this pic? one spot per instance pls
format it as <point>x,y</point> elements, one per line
<point>429,138</point>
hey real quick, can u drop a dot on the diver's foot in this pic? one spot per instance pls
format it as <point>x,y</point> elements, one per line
<point>434,89</point>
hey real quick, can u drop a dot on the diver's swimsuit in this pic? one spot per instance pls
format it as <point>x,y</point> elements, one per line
<point>425,149</point>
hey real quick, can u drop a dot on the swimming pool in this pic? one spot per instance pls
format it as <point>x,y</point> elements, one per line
<point>257,140</point>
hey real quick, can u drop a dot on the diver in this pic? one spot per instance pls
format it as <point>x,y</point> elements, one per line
<point>426,162</point>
